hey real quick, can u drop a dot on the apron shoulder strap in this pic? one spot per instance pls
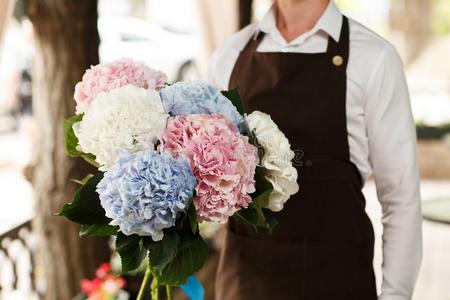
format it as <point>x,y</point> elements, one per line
<point>254,42</point>
<point>343,45</point>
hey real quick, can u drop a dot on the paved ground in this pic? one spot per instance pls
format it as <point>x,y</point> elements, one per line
<point>16,206</point>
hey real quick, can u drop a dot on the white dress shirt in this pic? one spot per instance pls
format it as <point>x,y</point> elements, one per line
<point>381,130</point>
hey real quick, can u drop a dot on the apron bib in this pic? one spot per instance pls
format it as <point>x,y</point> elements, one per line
<point>322,248</point>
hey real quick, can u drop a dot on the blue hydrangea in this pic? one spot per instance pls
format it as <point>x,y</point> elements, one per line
<point>145,192</point>
<point>185,98</point>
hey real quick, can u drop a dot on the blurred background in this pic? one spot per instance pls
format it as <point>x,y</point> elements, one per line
<point>45,46</point>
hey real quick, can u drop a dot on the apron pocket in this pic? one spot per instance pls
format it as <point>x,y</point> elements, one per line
<point>343,222</point>
<point>333,273</point>
<point>251,268</point>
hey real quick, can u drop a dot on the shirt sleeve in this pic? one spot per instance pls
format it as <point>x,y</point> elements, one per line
<point>392,146</point>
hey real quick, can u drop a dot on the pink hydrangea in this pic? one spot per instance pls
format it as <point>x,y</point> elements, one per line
<point>108,76</point>
<point>223,161</point>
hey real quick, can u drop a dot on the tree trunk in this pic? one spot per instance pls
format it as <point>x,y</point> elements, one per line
<point>66,40</point>
<point>5,10</point>
<point>245,12</point>
<point>218,20</point>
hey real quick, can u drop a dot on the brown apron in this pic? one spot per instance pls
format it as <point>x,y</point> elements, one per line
<point>323,246</point>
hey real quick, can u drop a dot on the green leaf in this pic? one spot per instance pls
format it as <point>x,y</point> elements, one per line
<point>84,180</point>
<point>85,207</point>
<point>71,138</point>
<point>162,252</point>
<point>257,218</point>
<point>190,258</point>
<point>235,98</point>
<point>98,230</point>
<point>271,221</point>
<point>187,223</point>
<point>192,216</point>
<point>247,216</point>
<point>251,136</point>
<point>261,199</point>
<point>256,215</point>
<point>131,250</point>
<point>262,186</point>
<point>253,140</point>
<point>71,142</point>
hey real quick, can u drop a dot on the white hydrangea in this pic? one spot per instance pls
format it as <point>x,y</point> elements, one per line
<point>127,118</point>
<point>277,159</point>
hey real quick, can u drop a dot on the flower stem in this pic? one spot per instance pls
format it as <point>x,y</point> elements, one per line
<point>169,292</point>
<point>155,290</point>
<point>144,284</point>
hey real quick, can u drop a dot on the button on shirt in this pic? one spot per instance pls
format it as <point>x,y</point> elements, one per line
<point>380,125</point>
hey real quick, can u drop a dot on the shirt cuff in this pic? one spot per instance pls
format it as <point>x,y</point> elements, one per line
<point>392,297</point>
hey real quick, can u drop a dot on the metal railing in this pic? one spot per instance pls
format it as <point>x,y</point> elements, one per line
<point>17,264</point>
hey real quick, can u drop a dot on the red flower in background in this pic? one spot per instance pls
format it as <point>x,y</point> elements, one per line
<point>89,287</point>
<point>103,271</point>
<point>105,287</point>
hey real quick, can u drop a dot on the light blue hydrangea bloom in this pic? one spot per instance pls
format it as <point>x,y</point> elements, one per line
<point>145,192</point>
<point>185,98</point>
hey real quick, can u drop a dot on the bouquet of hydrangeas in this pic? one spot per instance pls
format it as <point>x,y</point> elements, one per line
<point>169,157</point>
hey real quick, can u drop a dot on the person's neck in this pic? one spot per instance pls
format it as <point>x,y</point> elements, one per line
<point>295,17</point>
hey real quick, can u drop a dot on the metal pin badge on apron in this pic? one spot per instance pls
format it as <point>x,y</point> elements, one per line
<point>338,60</point>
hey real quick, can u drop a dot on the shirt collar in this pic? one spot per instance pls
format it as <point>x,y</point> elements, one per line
<point>330,22</point>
